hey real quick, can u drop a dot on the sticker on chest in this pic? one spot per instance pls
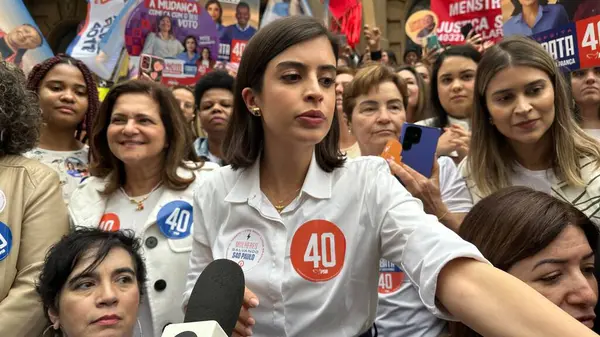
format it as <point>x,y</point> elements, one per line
<point>247,248</point>
<point>318,250</point>
<point>175,219</point>
<point>6,241</point>
<point>391,277</point>
<point>110,222</point>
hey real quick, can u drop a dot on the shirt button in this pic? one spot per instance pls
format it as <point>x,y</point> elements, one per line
<point>160,285</point>
<point>151,242</point>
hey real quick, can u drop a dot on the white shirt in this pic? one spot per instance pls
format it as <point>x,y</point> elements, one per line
<point>71,166</point>
<point>401,312</point>
<point>314,267</point>
<point>538,180</point>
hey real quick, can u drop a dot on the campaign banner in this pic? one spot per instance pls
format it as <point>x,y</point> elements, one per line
<point>101,16</point>
<point>236,21</point>
<point>21,41</point>
<point>179,31</point>
<point>549,14</point>
<point>561,43</point>
<point>484,15</point>
<point>588,41</point>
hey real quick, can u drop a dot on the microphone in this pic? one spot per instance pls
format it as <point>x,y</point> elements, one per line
<point>215,302</point>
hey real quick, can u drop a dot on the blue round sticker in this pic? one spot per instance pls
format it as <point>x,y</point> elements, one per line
<point>175,219</point>
<point>5,241</point>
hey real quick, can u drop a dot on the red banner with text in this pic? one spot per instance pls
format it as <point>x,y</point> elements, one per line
<point>484,15</point>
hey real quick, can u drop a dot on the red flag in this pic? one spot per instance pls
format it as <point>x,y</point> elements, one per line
<point>348,19</point>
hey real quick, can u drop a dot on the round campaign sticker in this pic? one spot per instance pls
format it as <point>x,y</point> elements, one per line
<point>175,219</point>
<point>318,250</point>
<point>110,222</point>
<point>5,241</point>
<point>247,248</point>
<point>2,201</point>
<point>390,277</point>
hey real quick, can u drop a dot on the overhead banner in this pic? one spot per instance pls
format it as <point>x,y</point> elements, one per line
<point>575,45</point>
<point>484,15</point>
<point>178,32</point>
<point>21,41</point>
<point>101,16</point>
<point>236,21</point>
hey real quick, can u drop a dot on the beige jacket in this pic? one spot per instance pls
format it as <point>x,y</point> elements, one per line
<point>32,208</point>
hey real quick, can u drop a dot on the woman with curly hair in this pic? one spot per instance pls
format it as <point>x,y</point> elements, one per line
<point>69,101</point>
<point>32,214</point>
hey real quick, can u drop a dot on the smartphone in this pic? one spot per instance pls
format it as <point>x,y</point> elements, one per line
<point>393,151</point>
<point>152,67</point>
<point>433,42</point>
<point>419,144</point>
<point>466,29</point>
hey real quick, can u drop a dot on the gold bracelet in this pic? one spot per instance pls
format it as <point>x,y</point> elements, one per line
<point>443,216</point>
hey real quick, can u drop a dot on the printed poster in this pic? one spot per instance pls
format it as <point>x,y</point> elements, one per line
<point>484,15</point>
<point>180,32</point>
<point>549,14</point>
<point>21,41</point>
<point>236,21</point>
<point>420,25</point>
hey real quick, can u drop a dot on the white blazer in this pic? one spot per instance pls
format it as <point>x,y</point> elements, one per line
<point>166,259</point>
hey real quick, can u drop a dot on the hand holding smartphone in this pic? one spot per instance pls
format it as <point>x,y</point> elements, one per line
<point>418,145</point>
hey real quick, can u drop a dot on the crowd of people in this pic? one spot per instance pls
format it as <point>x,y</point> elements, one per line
<point>110,211</point>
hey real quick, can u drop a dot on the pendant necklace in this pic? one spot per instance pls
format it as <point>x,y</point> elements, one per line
<point>140,203</point>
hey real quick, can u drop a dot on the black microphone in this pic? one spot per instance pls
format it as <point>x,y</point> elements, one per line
<point>215,303</point>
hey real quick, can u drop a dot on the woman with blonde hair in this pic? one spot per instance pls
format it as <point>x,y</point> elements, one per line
<point>523,131</point>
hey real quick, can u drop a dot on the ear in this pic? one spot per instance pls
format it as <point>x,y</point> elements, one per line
<point>251,99</point>
<point>53,314</point>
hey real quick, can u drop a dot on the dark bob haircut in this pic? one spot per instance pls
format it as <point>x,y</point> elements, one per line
<point>243,142</point>
<point>64,256</point>
<point>217,79</point>
<point>460,51</point>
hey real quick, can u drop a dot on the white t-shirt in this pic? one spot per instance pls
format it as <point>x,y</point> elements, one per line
<point>71,166</point>
<point>537,180</point>
<point>314,266</point>
<point>401,312</point>
<point>593,132</point>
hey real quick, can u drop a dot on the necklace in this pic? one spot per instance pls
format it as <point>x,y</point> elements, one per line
<point>140,203</point>
<point>281,204</point>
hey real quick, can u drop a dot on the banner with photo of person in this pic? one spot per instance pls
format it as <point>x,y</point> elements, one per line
<point>548,14</point>
<point>179,32</point>
<point>485,17</point>
<point>420,25</point>
<point>236,21</point>
<point>21,41</point>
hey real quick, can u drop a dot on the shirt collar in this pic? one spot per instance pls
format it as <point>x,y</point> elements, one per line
<point>242,29</point>
<point>317,183</point>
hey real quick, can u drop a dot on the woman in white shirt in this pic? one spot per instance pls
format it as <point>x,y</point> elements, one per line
<point>375,104</point>
<point>163,43</point>
<point>140,181</point>
<point>309,228</point>
<point>452,94</point>
<point>69,101</point>
<point>524,133</point>
<point>585,86</point>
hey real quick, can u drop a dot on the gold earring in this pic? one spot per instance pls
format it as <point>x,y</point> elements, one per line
<point>255,111</point>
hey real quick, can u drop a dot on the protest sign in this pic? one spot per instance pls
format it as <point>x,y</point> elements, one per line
<point>420,25</point>
<point>21,41</point>
<point>484,15</point>
<point>561,43</point>
<point>179,31</point>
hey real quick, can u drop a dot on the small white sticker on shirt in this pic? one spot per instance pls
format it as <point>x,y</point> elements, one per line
<point>246,249</point>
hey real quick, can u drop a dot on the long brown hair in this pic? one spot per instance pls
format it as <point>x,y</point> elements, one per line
<point>491,159</point>
<point>516,223</point>
<point>104,163</point>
